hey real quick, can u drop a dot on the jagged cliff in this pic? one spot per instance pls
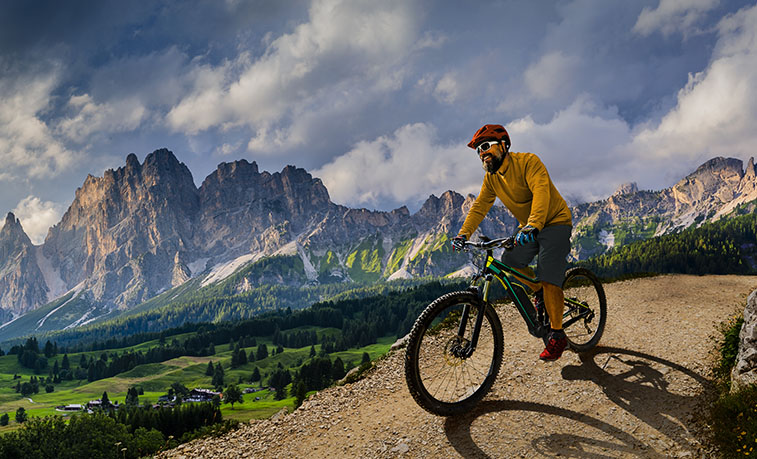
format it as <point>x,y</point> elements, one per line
<point>715,189</point>
<point>145,228</point>
<point>21,280</point>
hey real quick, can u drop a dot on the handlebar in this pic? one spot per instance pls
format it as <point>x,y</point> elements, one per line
<point>508,243</point>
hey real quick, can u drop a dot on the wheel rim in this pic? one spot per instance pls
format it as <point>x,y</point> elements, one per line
<point>447,370</point>
<point>581,316</point>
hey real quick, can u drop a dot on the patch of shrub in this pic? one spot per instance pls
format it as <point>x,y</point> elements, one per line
<point>734,422</point>
<point>728,350</point>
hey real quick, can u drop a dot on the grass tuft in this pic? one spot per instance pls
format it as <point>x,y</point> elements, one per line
<point>733,415</point>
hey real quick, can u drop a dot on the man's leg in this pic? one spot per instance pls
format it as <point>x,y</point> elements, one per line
<point>556,339</point>
<point>527,271</point>
<point>554,300</point>
<point>554,246</point>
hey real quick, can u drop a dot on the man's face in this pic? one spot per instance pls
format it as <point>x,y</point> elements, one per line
<point>491,158</point>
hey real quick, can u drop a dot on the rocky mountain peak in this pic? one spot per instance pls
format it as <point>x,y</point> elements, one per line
<point>447,204</point>
<point>10,220</point>
<point>751,170</point>
<point>720,166</point>
<point>240,172</point>
<point>13,233</point>
<point>162,165</point>
<point>626,188</point>
<point>132,163</point>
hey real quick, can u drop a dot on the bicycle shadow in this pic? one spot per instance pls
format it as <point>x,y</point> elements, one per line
<point>631,383</point>
<point>628,379</point>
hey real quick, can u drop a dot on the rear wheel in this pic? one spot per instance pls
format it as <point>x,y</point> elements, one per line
<point>585,309</point>
<point>444,374</point>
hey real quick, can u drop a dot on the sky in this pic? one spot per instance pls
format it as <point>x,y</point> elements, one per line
<point>376,98</point>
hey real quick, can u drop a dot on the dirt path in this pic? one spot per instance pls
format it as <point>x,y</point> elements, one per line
<point>636,395</point>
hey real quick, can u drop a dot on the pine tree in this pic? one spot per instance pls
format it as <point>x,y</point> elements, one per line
<point>300,392</point>
<point>48,349</point>
<point>210,370</point>
<point>337,369</point>
<point>132,398</point>
<point>21,415</point>
<point>218,377</point>
<point>262,351</point>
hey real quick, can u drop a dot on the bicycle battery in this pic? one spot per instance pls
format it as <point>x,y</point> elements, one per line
<point>527,311</point>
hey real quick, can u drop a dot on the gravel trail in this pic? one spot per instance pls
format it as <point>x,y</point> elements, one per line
<point>638,394</point>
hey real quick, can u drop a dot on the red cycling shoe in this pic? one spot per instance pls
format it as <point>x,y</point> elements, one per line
<point>556,344</point>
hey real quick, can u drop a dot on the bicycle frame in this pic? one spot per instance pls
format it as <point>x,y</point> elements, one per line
<point>492,269</point>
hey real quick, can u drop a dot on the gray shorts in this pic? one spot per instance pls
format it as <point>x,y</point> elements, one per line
<point>552,246</point>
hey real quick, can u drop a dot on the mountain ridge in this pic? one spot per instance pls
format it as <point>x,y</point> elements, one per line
<point>143,229</point>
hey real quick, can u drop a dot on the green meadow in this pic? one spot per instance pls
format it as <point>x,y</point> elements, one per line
<point>156,378</point>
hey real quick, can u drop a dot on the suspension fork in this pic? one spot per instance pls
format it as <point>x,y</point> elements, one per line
<point>468,351</point>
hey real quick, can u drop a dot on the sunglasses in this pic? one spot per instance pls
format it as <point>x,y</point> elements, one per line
<point>482,147</point>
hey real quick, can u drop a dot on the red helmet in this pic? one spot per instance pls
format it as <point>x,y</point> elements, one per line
<point>490,132</point>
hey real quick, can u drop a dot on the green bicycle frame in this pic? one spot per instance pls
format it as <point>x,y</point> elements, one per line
<point>517,293</point>
<point>502,272</point>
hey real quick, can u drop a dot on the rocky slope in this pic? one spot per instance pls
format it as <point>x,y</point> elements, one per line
<point>21,280</point>
<point>145,228</point>
<point>639,394</point>
<point>715,189</point>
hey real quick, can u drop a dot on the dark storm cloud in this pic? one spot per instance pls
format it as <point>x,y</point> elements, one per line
<point>377,98</point>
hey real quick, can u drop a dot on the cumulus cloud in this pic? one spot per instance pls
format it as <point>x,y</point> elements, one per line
<point>345,51</point>
<point>551,75</point>
<point>91,118</point>
<point>672,16</point>
<point>447,89</point>
<point>583,146</point>
<point>716,111</point>
<point>27,143</point>
<point>37,217</point>
<point>402,168</point>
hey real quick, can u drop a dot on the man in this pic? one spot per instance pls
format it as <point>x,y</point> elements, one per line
<point>522,183</point>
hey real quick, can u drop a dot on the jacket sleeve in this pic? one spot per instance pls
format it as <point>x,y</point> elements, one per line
<point>538,182</point>
<point>478,210</point>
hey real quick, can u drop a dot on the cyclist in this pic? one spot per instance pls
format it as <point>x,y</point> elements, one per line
<point>522,183</point>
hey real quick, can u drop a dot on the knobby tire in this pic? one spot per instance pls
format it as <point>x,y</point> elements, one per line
<point>584,333</point>
<point>440,381</point>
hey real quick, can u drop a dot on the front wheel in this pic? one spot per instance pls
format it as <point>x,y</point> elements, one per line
<point>445,373</point>
<point>585,310</point>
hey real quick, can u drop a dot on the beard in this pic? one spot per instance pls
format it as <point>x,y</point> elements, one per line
<point>494,165</point>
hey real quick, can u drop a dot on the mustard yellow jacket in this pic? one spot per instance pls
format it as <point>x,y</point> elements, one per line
<point>524,187</point>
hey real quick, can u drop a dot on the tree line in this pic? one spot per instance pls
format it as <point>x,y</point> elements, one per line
<point>213,304</point>
<point>727,246</point>
<point>126,433</point>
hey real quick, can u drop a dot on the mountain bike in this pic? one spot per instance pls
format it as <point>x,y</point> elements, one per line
<point>455,347</point>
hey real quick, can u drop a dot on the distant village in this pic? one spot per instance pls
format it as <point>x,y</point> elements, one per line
<point>195,396</point>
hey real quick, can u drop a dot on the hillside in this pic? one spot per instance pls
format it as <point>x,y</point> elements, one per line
<point>143,235</point>
<point>636,395</point>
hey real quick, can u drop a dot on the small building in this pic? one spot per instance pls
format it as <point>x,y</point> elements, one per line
<point>97,404</point>
<point>201,395</point>
<point>166,399</point>
<point>70,408</point>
